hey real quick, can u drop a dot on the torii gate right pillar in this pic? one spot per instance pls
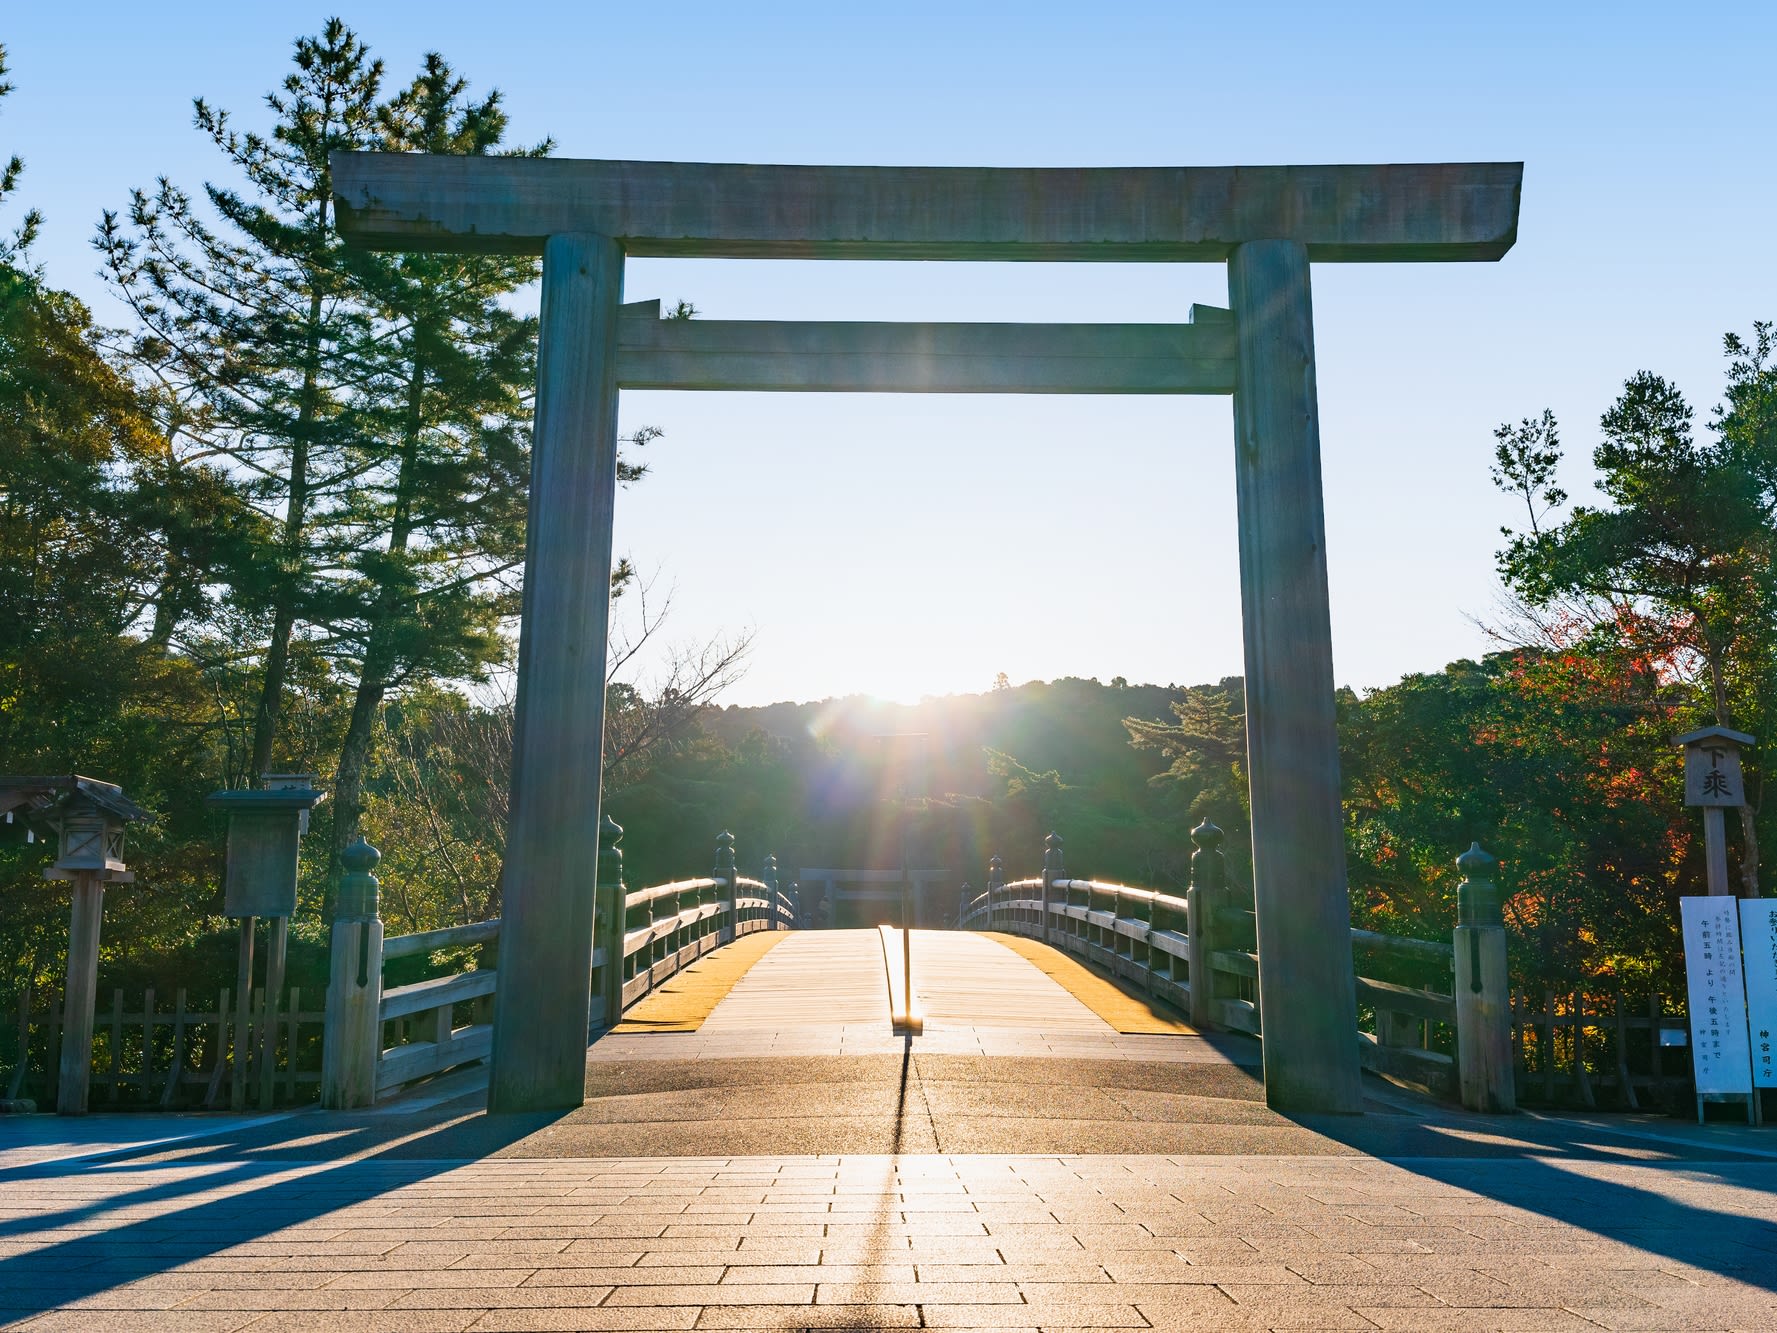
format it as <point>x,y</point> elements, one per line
<point>1307,1001</point>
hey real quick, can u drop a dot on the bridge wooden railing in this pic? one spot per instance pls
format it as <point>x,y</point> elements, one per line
<point>379,1038</point>
<point>1199,952</point>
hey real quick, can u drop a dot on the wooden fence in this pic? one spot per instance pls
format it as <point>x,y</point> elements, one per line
<point>147,1056</point>
<point>1199,952</point>
<point>1590,1047</point>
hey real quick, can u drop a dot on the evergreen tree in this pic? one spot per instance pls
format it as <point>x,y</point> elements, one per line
<point>1680,565</point>
<point>80,688</point>
<point>256,328</point>
<point>434,523</point>
<point>13,251</point>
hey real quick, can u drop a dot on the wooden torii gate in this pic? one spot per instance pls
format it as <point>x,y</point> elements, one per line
<point>1266,223</point>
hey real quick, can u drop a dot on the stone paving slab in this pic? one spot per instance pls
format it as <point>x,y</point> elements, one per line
<point>951,1241</point>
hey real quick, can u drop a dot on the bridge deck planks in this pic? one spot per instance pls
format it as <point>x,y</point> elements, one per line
<point>818,978</point>
<point>964,979</point>
<point>825,993</point>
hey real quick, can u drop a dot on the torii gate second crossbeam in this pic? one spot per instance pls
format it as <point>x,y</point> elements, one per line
<point>1266,223</point>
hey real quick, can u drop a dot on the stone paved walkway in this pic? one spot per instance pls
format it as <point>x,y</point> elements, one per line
<point>997,1242</point>
<point>792,1165</point>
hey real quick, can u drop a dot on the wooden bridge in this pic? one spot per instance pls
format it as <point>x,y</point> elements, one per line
<point>1049,966</point>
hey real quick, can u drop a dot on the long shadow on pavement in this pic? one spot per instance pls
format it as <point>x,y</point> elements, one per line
<point>1526,1162</point>
<point>350,1161</point>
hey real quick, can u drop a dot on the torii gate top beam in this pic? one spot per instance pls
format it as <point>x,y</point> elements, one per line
<point>511,205</point>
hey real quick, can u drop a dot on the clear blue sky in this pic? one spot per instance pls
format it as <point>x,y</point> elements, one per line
<point>909,545</point>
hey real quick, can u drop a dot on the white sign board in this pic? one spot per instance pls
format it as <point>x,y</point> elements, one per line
<point>1721,1058</point>
<point>1758,937</point>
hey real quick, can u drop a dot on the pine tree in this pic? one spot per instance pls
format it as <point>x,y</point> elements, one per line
<point>253,326</point>
<point>437,512</point>
<point>13,251</point>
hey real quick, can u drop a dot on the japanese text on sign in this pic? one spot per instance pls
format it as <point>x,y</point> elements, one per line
<point>1721,1056</point>
<point>1712,775</point>
<point>1758,938</point>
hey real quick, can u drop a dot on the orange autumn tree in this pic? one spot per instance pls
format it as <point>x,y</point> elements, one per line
<point>1555,758</point>
<point>1643,616</point>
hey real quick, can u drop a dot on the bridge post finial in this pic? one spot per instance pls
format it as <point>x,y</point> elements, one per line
<point>610,866</point>
<point>1483,995</point>
<point>1208,866</point>
<point>610,921</point>
<point>996,883</point>
<point>358,888</point>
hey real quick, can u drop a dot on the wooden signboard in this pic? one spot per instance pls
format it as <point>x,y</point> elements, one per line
<point>1758,941</point>
<point>1712,775</point>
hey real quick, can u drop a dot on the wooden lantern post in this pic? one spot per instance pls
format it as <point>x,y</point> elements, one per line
<point>88,819</point>
<point>1712,780</point>
<point>265,829</point>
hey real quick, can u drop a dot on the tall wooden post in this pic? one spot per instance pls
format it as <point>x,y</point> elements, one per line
<point>81,992</point>
<point>277,946</point>
<point>1306,987</point>
<point>548,881</point>
<point>1483,997</point>
<point>1715,851</point>
<point>353,1037</point>
<point>239,1053</point>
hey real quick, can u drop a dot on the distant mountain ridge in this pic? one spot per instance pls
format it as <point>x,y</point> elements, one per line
<point>1072,725</point>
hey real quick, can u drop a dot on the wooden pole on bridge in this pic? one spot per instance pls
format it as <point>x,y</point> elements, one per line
<point>1306,988</point>
<point>550,875</point>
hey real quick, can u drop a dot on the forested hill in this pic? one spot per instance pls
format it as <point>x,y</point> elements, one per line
<point>820,784</point>
<point>1072,726</point>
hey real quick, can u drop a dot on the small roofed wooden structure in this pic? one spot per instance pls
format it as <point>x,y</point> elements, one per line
<point>88,818</point>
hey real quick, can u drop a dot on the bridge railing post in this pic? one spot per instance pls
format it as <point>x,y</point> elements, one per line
<point>768,877</point>
<point>610,920</point>
<point>727,869</point>
<point>352,1039</point>
<point>1202,900</point>
<point>996,893</point>
<point>1053,869</point>
<point>1483,994</point>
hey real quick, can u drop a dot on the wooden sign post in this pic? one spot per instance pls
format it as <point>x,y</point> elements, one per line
<point>265,828</point>
<point>1712,780</point>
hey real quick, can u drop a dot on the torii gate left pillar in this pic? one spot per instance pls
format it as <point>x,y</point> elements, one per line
<point>548,882</point>
<point>1266,223</point>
